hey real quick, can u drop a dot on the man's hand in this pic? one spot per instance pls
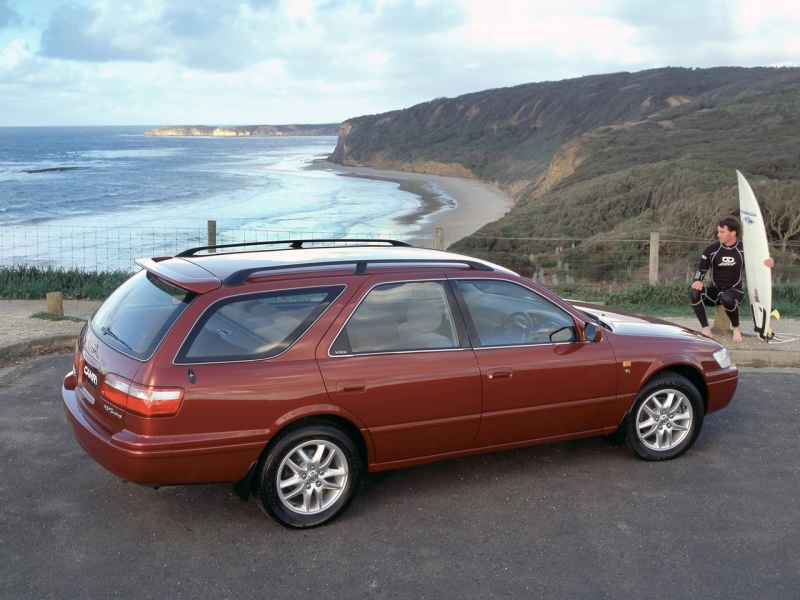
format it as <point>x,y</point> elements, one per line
<point>697,285</point>
<point>770,262</point>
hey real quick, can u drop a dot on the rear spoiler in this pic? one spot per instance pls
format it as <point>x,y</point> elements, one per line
<point>181,273</point>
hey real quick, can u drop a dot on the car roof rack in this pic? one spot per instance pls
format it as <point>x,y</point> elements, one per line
<point>293,244</point>
<point>360,266</point>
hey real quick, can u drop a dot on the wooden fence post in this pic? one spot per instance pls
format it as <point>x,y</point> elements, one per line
<point>212,234</point>
<point>654,239</point>
<point>439,243</point>
<point>55,304</point>
<point>722,324</point>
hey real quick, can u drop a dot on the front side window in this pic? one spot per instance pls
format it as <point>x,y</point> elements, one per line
<point>255,326</point>
<point>506,314</point>
<point>137,316</point>
<point>398,317</point>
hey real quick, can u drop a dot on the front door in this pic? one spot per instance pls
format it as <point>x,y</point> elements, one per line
<point>539,379</point>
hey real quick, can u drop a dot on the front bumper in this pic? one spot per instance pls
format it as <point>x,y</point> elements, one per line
<point>721,387</point>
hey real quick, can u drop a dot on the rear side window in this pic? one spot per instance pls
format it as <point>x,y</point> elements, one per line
<point>255,326</point>
<point>399,317</point>
<point>138,315</point>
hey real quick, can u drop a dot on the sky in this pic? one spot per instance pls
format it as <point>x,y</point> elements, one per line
<point>252,62</point>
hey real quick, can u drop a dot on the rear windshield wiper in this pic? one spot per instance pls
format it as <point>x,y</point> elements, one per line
<point>107,331</point>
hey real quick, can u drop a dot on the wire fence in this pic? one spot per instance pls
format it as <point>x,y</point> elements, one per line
<point>110,249</point>
<point>605,264</point>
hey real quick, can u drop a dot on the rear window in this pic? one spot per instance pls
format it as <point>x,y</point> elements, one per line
<point>255,326</point>
<point>136,317</point>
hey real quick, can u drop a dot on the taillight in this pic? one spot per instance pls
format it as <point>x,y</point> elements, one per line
<point>145,401</point>
<point>76,357</point>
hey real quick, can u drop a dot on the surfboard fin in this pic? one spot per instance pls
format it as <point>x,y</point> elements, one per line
<point>771,334</point>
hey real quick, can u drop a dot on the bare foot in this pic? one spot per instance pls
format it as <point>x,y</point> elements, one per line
<point>707,332</point>
<point>737,335</point>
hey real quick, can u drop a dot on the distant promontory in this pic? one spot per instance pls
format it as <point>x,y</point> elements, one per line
<point>246,130</point>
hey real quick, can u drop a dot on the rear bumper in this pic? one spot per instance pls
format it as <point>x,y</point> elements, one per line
<point>139,466</point>
<point>159,460</point>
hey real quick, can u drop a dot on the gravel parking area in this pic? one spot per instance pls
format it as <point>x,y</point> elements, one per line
<point>16,325</point>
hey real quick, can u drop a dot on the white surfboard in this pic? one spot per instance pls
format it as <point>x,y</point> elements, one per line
<point>756,251</point>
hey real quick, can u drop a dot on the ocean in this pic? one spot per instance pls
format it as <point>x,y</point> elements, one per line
<point>96,197</point>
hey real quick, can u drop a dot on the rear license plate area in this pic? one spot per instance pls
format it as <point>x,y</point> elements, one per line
<point>89,376</point>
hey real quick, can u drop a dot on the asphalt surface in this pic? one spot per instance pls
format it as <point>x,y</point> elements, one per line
<point>570,520</point>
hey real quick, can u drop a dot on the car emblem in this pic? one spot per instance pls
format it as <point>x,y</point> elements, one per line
<point>93,349</point>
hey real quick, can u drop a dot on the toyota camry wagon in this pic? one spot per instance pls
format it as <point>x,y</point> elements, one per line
<point>291,368</point>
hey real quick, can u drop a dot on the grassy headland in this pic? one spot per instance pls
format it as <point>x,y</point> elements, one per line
<point>607,157</point>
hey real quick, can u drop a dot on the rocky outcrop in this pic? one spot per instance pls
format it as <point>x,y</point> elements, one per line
<point>245,130</point>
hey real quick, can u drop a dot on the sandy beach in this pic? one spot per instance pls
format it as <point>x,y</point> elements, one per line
<point>459,206</point>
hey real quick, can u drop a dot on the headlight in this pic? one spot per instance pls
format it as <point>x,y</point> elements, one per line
<point>723,358</point>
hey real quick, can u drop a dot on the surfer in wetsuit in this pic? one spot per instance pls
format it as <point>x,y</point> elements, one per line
<point>725,259</point>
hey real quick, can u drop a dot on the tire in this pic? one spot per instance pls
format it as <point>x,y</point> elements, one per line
<point>665,418</point>
<point>309,476</point>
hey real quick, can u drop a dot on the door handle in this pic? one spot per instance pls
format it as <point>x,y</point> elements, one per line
<point>500,373</point>
<point>353,386</point>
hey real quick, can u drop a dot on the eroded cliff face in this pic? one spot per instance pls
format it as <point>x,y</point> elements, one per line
<point>341,156</point>
<point>564,164</point>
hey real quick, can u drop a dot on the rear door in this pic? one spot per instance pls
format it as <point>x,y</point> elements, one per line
<point>398,358</point>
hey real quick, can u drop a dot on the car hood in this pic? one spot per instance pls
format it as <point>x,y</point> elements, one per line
<point>626,323</point>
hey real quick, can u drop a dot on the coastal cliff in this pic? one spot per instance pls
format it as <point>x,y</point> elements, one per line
<point>609,155</point>
<point>245,130</point>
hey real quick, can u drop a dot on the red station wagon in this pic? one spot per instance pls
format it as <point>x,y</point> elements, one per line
<point>289,371</point>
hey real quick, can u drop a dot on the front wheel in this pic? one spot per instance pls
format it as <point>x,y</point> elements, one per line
<point>309,476</point>
<point>665,419</point>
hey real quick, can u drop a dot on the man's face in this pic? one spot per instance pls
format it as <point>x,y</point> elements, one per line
<point>726,236</point>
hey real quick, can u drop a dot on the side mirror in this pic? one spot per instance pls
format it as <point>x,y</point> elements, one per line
<point>592,333</point>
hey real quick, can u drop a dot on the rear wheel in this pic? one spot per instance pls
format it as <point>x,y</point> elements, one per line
<point>665,419</point>
<point>309,476</point>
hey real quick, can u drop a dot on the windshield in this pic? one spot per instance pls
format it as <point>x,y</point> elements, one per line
<point>137,316</point>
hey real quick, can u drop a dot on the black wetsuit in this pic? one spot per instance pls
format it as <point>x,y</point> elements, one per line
<point>726,264</point>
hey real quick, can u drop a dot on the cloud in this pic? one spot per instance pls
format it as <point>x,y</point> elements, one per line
<point>8,14</point>
<point>202,35</point>
<point>80,32</point>
<point>408,16</point>
<point>282,61</point>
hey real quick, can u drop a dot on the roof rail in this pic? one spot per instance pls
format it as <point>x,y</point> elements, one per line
<point>294,244</point>
<point>360,266</point>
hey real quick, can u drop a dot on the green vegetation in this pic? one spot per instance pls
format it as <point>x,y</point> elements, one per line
<point>34,283</point>
<point>46,316</point>
<point>672,299</point>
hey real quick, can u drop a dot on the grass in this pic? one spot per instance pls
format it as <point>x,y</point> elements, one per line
<point>34,283</point>
<point>672,299</point>
<point>46,316</point>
